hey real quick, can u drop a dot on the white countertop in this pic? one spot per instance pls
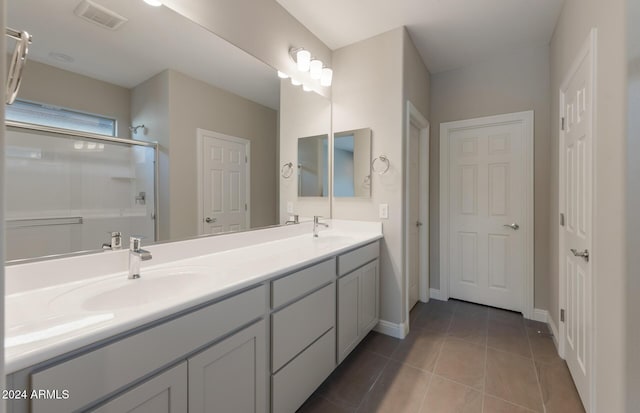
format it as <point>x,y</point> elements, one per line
<point>54,307</point>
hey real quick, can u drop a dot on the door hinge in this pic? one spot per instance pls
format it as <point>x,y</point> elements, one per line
<point>562,315</point>
<point>245,207</point>
<point>246,159</point>
<point>562,125</point>
<point>562,219</point>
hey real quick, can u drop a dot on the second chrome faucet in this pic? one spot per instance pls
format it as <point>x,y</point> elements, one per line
<point>316,224</point>
<point>136,255</point>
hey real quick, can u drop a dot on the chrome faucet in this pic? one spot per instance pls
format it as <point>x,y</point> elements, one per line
<point>136,255</point>
<point>116,241</point>
<point>295,220</point>
<point>316,224</point>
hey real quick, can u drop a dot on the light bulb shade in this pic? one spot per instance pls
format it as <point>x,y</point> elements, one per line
<point>316,69</point>
<point>154,3</point>
<point>327,77</point>
<point>303,59</point>
<point>295,82</point>
<point>282,75</point>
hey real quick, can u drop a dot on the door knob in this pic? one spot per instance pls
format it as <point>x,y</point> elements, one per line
<point>584,254</point>
<point>418,224</point>
<point>513,226</point>
<point>209,220</point>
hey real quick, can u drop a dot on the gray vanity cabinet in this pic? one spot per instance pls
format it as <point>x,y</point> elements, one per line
<point>230,376</point>
<point>165,393</point>
<point>358,297</point>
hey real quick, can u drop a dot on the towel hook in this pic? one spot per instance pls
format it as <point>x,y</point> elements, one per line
<point>287,170</point>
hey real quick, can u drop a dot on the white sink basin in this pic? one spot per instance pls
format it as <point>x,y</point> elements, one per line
<point>328,238</point>
<point>153,286</point>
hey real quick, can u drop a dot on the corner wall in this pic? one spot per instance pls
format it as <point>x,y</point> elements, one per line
<point>373,79</point>
<point>609,244</point>
<point>2,203</point>
<point>506,83</point>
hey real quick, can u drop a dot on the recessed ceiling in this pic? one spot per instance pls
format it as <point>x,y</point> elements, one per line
<point>152,40</point>
<point>448,33</point>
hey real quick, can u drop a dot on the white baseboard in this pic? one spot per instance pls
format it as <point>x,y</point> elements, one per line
<point>437,294</point>
<point>554,331</point>
<point>392,329</point>
<point>540,315</point>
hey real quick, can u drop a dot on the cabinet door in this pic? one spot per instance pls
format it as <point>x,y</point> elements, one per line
<point>348,297</point>
<point>368,299</point>
<point>231,376</point>
<point>165,393</point>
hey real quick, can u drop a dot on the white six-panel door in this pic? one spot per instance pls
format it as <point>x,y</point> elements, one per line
<point>486,201</point>
<point>224,183</point>
<point>485,182</point>
<point>576,140</point>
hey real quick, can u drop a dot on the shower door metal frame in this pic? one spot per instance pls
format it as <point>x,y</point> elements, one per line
<point>68,133</point>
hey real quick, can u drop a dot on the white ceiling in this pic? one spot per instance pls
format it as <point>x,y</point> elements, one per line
<point>448,33</point>
<point>154,39</point>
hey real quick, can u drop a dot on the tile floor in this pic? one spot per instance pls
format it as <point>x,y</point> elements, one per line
<point>458,357</point>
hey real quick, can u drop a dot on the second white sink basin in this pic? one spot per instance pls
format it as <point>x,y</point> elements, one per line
<point>153,286</point>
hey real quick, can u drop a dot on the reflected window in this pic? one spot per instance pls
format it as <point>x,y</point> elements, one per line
<point>48,115</point>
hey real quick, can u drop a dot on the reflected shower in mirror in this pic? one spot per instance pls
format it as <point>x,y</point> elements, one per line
<point>352,163</point>
<point>313,166</point>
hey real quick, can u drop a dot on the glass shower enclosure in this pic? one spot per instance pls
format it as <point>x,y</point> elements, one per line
<point>66,191</point>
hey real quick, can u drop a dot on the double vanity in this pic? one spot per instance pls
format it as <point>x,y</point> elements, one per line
<point>247,322</point>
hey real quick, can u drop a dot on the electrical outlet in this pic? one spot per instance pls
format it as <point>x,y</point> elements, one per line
<point>289,207</point>
<point>384,211</point>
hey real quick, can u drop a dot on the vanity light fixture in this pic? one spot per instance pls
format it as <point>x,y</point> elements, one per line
<point>305,63</point>
<point>282,75</point>
<point>154,3</point>
<point>327,77</point>
<point>316,68</point>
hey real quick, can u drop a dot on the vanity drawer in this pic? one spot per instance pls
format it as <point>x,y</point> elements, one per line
<point>292,286</point>
<point>106,369</point>
<point>300,324</point>
<point>292,385</point>
<point>357,258</point>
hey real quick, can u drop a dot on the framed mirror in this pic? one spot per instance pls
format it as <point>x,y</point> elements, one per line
<point>352,164</point>
<point>313,166</point>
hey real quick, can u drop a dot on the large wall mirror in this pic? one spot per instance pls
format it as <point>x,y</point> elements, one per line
<point>154,76</point>
<point>352,163</point>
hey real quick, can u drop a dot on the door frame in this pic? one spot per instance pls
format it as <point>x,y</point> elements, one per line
<point>413,116</point>
<point>526,119</point>
<point>587,51</point>
<point>200,179</point>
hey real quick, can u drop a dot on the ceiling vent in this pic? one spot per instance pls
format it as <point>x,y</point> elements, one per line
<point>99,15</point>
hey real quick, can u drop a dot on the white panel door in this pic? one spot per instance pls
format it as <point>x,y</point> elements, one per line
<point>224,191</point>
<point>415,226</point>
<point>486,210</point>
<point>576,203</point>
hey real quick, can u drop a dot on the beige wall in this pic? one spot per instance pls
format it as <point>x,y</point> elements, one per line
<point>633,202</point>
<point>367,93</point>
<point>173,106</point>
<point>512,82</point>
<point>150,107</point>
<point>375,98</point>
<point>302,114</point>
<point>194,104</point>
<point>47,84</point>
<point>608,270</point>
<point>263,29</point>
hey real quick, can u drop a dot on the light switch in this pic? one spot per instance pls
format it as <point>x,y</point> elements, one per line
<point>384,211</point>
<point>289,207</point>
